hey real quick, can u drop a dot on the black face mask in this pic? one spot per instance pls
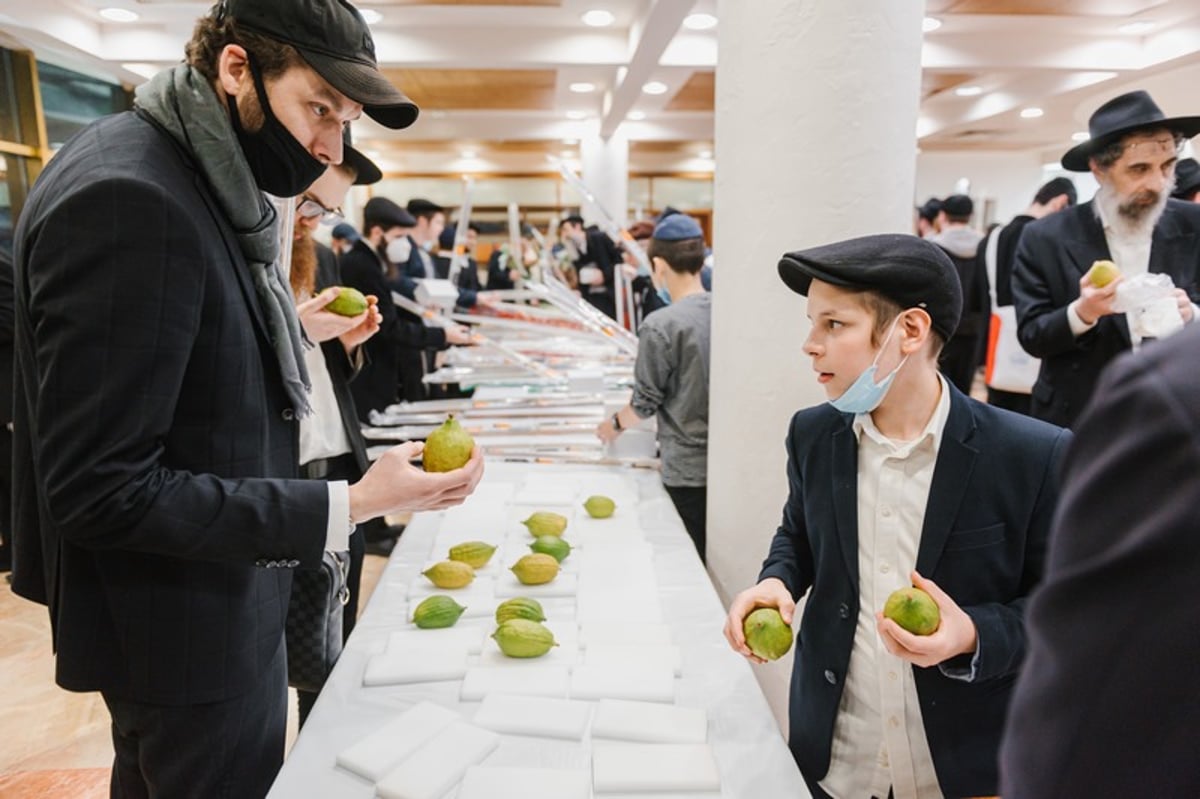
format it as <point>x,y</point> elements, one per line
<point>281,165</point>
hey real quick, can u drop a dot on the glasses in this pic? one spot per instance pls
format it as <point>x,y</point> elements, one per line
<point>310,208</point>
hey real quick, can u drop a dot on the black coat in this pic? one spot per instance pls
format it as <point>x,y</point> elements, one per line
<point>157,510</point>
<point>1107,703</point>
<point>1053,254</point>
<point>342,370</point>
<point>983,542</point>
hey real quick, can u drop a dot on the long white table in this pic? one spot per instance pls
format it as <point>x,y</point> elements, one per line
<point>752,757</point>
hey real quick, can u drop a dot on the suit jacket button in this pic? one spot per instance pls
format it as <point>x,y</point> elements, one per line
<point>830,677</point>
<point>272,564</point>
<point>261,562</point>
<point>291,564</point>
<point>844,610</point>
<point>288,414</point>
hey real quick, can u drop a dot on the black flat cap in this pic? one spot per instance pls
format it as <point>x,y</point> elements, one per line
<point>1187,179</point>
<point>908,270</point>
<point>420,206</point>
<point>382,212</point>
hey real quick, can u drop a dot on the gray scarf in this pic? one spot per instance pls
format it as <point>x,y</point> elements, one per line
<point>183,102</point>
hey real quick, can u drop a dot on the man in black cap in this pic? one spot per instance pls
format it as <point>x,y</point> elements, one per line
<point>900,479</point>
<point>1065,319</point>
<point>964,351</point>
<point>160,384</point>
<point>927,218</point>
<point>1187,181</point>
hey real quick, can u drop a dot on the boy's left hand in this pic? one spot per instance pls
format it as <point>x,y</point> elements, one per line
<point>954,636</point>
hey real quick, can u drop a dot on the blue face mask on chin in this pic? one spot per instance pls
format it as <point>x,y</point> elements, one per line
<point>864,394</point>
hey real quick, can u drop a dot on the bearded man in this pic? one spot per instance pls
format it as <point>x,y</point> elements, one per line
<point>1062,317</point>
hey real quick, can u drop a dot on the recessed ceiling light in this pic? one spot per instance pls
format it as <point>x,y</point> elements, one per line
<point>598,18</point>
<point>1032,112</point>
<point>699,22</point>
<point>577,115</point>
<point>582,87</point>
<point>570,142</point>
<point>370,15</point>
<point>636,116</point>
<point>968,91</point>
<point>930,24</point>
<point>655,87</point>
<point>469,153</point>
<point>118,14</point>
<point>1080,135</point>
<point>1137,28</point>
<point>567,153</point>
<point>705,153</point>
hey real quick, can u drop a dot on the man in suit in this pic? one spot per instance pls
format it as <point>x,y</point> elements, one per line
<point>593,254</point>
<point>6,394</point>
<point>1187,181</point>
<point>160,381</point>
<point>1062,317</point>
<point>900,478</point>
<point>1107,702</point>
<point>963,353</point>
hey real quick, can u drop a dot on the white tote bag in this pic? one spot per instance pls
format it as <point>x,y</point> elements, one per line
<point>1008,366</point>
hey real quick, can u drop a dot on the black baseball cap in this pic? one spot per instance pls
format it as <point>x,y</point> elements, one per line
<point>908,270</point>
<point>332,38</point>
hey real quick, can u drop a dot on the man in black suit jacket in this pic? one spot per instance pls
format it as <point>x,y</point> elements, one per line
<point>594,254</point>
<point>158,390</point>
<point>1107,703</point>
<point>1063,318</point>
<point>6,394</point>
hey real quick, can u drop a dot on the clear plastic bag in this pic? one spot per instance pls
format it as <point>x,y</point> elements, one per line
<point>1149,304</point>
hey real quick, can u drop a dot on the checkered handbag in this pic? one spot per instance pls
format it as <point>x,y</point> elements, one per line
<point>314,621</point>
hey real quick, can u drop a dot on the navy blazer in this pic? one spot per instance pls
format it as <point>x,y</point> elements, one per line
<point>1107,703</point>
<point>156,506</point>
<point>1053,254</point>
<point>983,542</point>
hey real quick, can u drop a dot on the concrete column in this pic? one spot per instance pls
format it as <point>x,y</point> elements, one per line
<point>606,173</point>
<point>816,113</point>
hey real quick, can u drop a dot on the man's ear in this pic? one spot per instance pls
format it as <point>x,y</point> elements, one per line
<point>233,69</point>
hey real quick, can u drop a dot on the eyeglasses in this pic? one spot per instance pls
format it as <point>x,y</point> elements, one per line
<point>310,208</point>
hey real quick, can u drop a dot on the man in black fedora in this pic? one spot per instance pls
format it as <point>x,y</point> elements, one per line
<point>1187,181</point>
<point>160,384</point>
<point>1063,318</point>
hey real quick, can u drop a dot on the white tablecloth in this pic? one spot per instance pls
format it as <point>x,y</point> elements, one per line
<point>752,759</point>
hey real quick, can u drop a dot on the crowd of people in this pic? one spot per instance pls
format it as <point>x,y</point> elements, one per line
<point>186,431</point>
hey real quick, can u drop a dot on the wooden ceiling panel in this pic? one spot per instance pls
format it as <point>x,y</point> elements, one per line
<point>508,89</point>
<point>1065,8</point>
<point>698,94</point>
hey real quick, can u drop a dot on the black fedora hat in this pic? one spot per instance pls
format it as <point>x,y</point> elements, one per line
<point>1187,179</point>
<point>1119,116</point>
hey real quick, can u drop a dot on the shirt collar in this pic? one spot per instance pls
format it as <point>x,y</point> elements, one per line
<point>863,423</point>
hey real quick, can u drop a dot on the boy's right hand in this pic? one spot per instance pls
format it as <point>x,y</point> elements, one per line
<point>770,593</point>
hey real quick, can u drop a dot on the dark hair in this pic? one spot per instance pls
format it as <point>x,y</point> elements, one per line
<point>930,210</point>
<point>641,230</point>
<point>573,219</point>
<point>211,35</point>
<point>685,256</point>
<point>1111,152</point>
<point>1053,189</point>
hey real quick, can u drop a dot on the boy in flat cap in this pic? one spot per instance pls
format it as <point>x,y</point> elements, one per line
<point>1062,317</point>
<point>900,479</point>
<point>160,385</point>
<point>672,371</point>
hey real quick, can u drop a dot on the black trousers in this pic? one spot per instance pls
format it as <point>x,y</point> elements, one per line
<point>1010,400</point>
<point>219,750</point>
<point>692,504</point>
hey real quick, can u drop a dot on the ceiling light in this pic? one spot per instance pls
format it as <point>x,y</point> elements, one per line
<point>655,87</point>
<point>705,154</point>
<point>1080,135</point>
<point>577,115</point>
<point>570,142</point>
<point>699,22</point>
<point>1136,28</point>
<point>583,87</point>
<point>469,154</point>
<point>118,14</point>
<point>1032,112</point>
<point>968,91</point>
<point>567,154</point>
<point>930,24</point>
<point>598,18</point>
<point>370,15</point>
<point>636,116</point>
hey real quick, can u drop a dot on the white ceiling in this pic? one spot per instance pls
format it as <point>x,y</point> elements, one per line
<point>1064,64</point>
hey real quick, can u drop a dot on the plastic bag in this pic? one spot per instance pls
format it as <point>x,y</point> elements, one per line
<point>1149,304</point>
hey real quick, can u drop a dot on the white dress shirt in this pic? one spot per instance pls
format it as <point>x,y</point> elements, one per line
<point>879,738</point>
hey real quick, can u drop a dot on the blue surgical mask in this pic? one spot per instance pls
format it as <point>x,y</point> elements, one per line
<point>864,394</point>
<point>665,296</point>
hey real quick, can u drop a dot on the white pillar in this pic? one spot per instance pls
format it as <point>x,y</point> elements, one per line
<point>606,173</point>
<point>816,113</point>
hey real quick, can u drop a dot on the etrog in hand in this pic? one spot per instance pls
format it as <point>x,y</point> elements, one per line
<point>348,302</point>
<point>912,609</point>
<point>1102,273</point>
<point>447,448</point>
<point>767,634</point>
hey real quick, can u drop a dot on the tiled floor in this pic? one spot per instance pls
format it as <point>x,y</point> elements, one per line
<point>56,743</point>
